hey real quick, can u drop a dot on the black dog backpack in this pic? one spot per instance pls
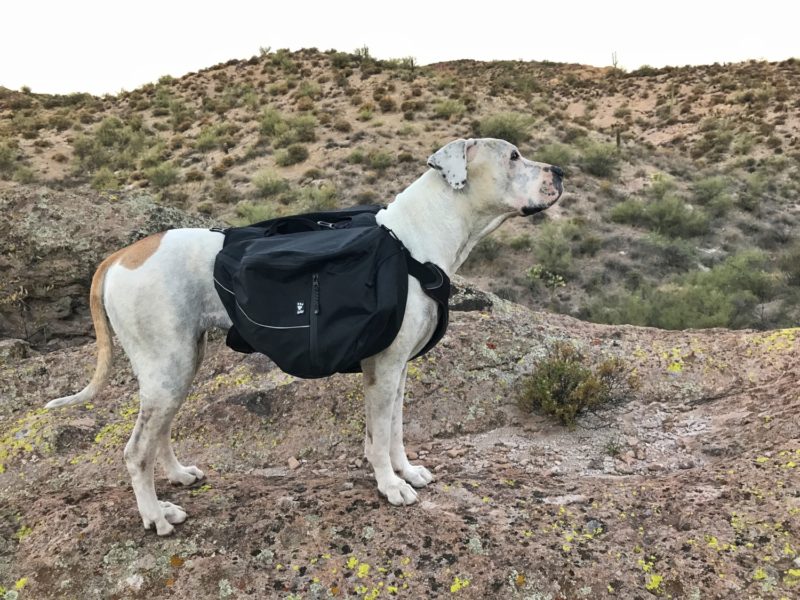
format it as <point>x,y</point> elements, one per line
<point>319,292</point>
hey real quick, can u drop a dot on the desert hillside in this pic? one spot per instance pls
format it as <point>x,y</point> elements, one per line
<point>681,206</point>
<point>681,211</point>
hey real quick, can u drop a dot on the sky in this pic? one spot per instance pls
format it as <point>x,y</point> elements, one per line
<point>58,46</point>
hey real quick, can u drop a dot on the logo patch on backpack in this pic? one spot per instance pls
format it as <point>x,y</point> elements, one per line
<point>301,308</point>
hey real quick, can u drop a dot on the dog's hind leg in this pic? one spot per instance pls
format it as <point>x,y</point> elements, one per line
<point>381,384</point>
<point>416,475</point>
<point>164,381</point>
<point>176,472</point>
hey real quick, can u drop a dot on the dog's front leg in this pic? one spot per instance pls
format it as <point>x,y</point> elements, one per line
<point>382,379</point>
<point>416,475</point>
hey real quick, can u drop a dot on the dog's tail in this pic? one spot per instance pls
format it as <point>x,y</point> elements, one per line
<point>105,346</point>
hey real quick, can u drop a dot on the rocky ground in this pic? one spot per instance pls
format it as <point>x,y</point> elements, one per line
<point>687,489</point>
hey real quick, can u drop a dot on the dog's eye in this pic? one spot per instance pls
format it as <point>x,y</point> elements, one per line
<point>514,155</point>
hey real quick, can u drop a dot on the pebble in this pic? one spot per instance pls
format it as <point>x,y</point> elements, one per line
<point>412,455</point>
<point>293,463</point>
<point>455,452</point>
<point>286,503</point>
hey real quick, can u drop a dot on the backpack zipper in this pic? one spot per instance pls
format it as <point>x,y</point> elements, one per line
<point>314,312</point>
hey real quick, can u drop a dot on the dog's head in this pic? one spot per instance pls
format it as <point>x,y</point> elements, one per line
<point>495,171</point>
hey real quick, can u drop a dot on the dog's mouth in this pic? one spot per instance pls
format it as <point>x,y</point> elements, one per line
<point>533,209</point>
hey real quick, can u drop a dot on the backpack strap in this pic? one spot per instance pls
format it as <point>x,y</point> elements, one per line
<point>436,284</point>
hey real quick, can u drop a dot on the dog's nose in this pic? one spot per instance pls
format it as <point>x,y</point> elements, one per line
<point>557,171</point>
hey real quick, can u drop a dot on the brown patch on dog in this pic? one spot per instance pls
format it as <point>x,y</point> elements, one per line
<point>131,257</point>
<point>135,255</point>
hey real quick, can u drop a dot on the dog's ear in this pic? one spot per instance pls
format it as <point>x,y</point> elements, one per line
<point>451,162</point>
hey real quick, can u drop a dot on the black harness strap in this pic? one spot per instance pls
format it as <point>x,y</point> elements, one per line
<point>436,284</point>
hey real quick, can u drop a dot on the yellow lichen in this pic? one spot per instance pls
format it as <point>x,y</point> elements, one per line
<point>458,584</point>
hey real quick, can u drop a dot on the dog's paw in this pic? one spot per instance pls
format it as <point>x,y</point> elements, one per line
<point>173,513</point>
<point>185,476</point>
<point>417,475</point>
<point>398,492</point>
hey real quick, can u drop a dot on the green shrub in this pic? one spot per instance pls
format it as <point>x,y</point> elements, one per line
<point>552,247</point>
<point>268,183</point>
<point>248,213</point>
<point>789,262</point>
<point>669,216</point>
<point>677,254</point>
<point>213,136</point>
<point>380,161</point>
<point>114,144</point>
<point>320,198</point>
<point>448,109</point>
<point>296,153</point>
<point>512,127</point>
<point>224,193</point>
<point>161,176</point>
<point>9,153</point>
<point>365,114</point>
<point>673,217</point>
<point>272,123</point>
<point>555,154</point>
<point>714,194</point>
<point>564,384</point>
<point>630,212</point>
<point>485,251</point>
<point>304,128</point>
<point>357,157</point>
<point>715,141</point>
<point>725,296</point>
<point>309,89</point>
<point>342,125</point>
<point>599,159</point>
<point>104,179</point>
<point>754,192</point>
<point>23,174</point>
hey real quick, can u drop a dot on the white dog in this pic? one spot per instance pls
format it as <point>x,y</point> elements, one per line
<point>158,295</point>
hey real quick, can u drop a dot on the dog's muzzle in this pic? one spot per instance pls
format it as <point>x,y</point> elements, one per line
<point>558,177</point>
